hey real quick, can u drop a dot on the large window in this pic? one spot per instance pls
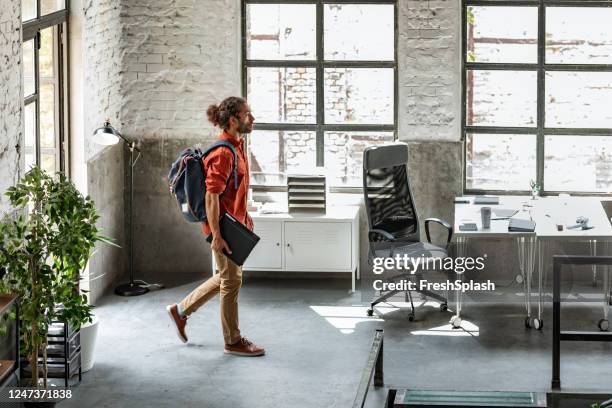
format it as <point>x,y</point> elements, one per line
<point>44,77</point>
<point>321,79</point>
<point>537,86</point>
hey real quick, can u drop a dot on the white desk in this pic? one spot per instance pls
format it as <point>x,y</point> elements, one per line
<point>547,212</point>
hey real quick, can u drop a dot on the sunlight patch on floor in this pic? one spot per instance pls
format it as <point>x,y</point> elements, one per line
<point>344,318</point>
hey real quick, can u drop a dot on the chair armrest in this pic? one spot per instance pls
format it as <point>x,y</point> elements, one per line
<point>384,233</point>
<point>388,237</point>
<point>443,223</point>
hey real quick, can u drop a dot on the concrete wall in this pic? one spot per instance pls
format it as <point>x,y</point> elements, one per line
<point>106,181</point>
<point>11,98</point>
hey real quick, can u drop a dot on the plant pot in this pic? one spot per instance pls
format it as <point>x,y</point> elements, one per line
<point>40,404</point>
<point>89,336</point>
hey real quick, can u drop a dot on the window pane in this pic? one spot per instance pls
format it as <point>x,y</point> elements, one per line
<point>579,99</point>
<point>578,163</point>
<point>47,115</point>
<point>359,32</point>
<point>46,54</point>
<point>30,135</point>
<point>51,6</point>
<point>28,10</point>
<point>275,153</point>
<point>281,31</point>
<point>282,94</point>
<point>28,68</point>
<point>500,162</point>
<point>359,95</point>
<point>578,35</point>
<point>46,75</point>
<point>502,34</point>
<point>47,162</point>
<point>344,155</point>
<point>501,98</point>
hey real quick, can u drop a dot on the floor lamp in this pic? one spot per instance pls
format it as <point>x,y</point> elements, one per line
<point>108,135</point>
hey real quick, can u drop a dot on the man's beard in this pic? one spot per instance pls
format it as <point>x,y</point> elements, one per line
<point>245,128</point>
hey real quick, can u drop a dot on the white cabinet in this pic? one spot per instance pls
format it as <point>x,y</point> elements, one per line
<point>307,242</point>
<point>318,246</point>
<point>268,252</point>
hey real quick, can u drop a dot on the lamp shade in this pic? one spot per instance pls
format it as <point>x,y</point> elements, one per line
<point>106,135</point>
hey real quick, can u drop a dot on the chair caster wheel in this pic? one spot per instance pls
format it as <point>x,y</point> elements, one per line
<point>604,325</point>
<point>411,317</point>
<point>370,312</point>
<point>528,322</point>
<point>538,324</point>
<point>443,307</point>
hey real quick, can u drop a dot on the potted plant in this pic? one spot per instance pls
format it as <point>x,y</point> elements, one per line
<point>44,247</point>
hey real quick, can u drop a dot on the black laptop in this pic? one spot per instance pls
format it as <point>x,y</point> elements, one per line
<point>240,239</point>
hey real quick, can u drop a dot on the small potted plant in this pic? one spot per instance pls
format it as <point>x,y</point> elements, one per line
<point>44,247</point>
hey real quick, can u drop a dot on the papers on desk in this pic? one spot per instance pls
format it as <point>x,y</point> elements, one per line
<point>273,208</point>
<point>521,225</point>
<point>502,213</point>
<point>468,226</point>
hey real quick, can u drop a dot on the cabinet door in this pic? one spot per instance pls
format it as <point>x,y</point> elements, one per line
<point>317,246</point>
<point>268,252</point>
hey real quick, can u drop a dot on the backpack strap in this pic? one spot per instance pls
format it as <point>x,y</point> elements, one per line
<point>227,144</point>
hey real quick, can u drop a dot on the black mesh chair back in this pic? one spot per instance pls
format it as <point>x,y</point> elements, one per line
<point>388,199</point>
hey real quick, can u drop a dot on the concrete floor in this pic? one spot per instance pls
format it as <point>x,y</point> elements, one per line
<point>317,338</point>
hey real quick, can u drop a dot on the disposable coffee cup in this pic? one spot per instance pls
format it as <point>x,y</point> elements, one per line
<point>485,213</point>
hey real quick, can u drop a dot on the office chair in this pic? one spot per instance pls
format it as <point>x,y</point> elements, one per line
<point>393,221</point>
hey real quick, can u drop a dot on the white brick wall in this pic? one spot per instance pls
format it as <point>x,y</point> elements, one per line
<point>103,58</point>
<point>185,56</point>
<point>11,98</point>
<point>429,70</point>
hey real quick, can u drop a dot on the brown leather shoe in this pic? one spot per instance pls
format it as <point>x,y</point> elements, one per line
<point>244,348</point>
<point>179,322</point>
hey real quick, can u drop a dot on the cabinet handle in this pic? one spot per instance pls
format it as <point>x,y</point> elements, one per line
<point>288,245</point>
<point>278,244</point>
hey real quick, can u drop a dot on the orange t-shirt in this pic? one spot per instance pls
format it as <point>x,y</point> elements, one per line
<point>218,166</point>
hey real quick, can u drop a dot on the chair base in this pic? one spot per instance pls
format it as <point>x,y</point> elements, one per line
<point>408,294</point>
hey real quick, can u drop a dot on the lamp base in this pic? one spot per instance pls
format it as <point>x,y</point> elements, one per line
<point>130,289</point>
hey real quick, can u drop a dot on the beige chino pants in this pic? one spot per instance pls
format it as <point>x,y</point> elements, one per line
<point>227,284</point>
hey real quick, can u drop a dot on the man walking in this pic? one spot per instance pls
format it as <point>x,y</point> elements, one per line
<point>233,115</point>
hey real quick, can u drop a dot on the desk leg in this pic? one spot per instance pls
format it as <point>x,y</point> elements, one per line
<point>593,246</point>
<point>461,245</point>
<point>526,254</point>
<point>604,324</point>
<point>542,248</point>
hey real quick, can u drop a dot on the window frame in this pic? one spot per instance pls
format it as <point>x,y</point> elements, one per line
<point>541,68</point>
<point>320,64</point>
<point>31,32</point>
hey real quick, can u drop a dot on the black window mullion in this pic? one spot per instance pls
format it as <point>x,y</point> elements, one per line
<point>320,86</point>
<point>245,62</point>
<point>37,40</point>
<point>395,72</point>
<point>541,95</point>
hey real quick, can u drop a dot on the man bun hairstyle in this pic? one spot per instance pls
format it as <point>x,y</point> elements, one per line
<point>220,115</point>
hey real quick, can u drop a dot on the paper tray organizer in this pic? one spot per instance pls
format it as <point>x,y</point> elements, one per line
<point>306,193</point>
